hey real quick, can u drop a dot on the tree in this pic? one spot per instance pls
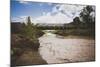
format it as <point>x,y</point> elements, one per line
<point>29,30</point>
<point>85,15</point>
<point>76,20</point>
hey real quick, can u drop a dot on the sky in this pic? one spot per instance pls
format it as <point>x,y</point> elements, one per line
<point>44,12</point>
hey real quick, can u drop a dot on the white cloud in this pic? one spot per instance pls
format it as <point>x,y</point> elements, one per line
<point>19,19</point>
<point>15,19</point>
<point>41,4</point>
<point>48,14</point>
<point>23,1</point>
<point>58,18</point>
<point>44,13</point>
<point>92,14</point>
<point>50,4</point>
<point>23,18</point>
<point>54,9</point>
<point>71,10</point>
<point>61,13</point>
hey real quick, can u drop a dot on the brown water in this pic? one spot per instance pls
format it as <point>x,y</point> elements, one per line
<point>59,50</point>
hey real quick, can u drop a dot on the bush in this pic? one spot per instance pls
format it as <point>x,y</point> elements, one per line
<point>77,32</point>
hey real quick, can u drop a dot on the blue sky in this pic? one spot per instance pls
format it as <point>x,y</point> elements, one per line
<point>33,9</point>
<point>43,12</point>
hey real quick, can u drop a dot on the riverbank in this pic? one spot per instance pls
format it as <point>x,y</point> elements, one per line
<point>24,51</point>
<point>75,37</point>
<point>28,57</point>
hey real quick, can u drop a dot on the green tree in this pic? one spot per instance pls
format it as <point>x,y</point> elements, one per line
<point>85,14</point>
<point>29,29</point>
<point>76,20</point>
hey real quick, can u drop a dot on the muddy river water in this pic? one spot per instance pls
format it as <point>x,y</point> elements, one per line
<point>54,49</point>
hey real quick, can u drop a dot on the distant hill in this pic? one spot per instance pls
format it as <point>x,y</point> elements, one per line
<point>50,24</point>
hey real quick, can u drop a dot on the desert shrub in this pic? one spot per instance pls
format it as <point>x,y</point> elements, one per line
<point>20,43</point>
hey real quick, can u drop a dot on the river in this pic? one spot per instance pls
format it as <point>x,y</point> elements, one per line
<point>56,49</point>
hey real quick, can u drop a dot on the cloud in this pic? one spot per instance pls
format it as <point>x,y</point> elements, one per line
<point>92,15</point>
<point>50,4</point>
<point>23,1</point>
<point>58,18</point>
<point>61,13</point>
<point>54,9</point>
<point>41,4</point>
<point>19,19</point>
<point>44,13</point>
<point>71,10</point>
